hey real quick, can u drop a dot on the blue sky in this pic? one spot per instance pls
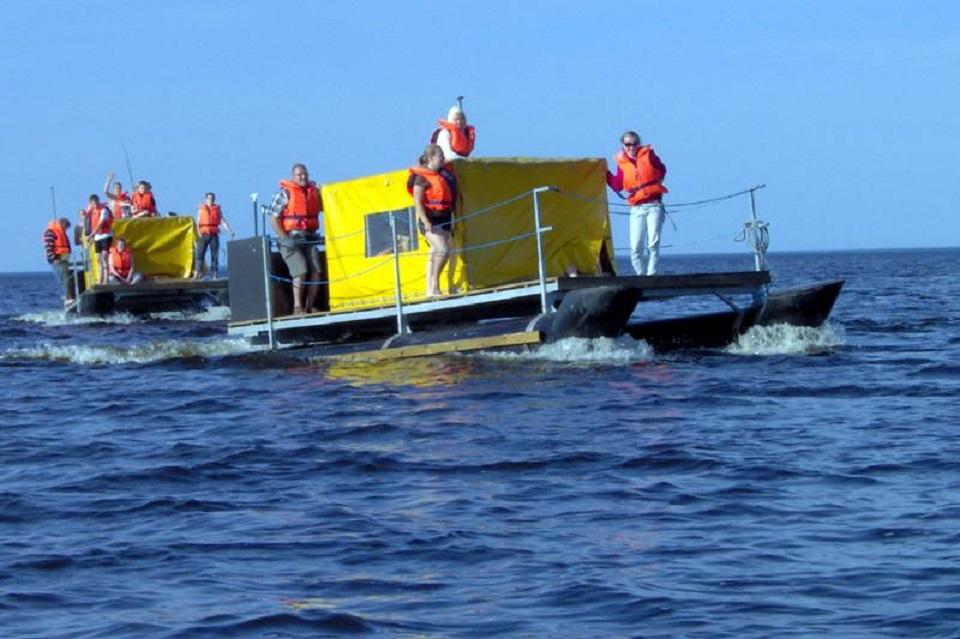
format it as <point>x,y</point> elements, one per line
<point>848,111</point>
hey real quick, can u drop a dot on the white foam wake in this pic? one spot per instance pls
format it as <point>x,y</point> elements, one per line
<point>59,318</point>
<point>211,314</point>
<point>602,350</point>
<point>783,339</point>
<point>145,353</point>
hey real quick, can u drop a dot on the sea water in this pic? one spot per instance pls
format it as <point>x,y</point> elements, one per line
<point>160,479</point>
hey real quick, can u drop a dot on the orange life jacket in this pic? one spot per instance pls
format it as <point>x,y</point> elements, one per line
<point>208,219</point>
<point>144,202</point>
<point>121,261</point>
<point>100,211</point>
<point>440,194</point>
<point>302,212</point>
<point>461,140</point>
<point>643,177</point>
<point>117,206</point>
<point>61,245</point>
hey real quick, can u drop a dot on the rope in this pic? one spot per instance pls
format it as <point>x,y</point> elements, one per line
<point>340,279</point>
<point>669,208</point>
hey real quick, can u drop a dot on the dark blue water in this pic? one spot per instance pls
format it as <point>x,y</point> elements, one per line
<point>161,480</point>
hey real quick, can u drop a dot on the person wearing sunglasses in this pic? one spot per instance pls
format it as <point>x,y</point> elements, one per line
<point>640,175</point>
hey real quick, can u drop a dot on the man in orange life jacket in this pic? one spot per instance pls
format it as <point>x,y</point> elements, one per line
<point>295,217</point>
<point>209,220</point>
<point>640,173</point>
<point>454,135</point>
<point>56,245</point>
<point>119,200</point>
<point>121,264</point>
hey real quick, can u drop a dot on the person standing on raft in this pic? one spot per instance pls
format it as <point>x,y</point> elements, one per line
<point>56,245</point>
<point>434,190</point>
<point>295,218</point>
<point>209,220</point>
<point>454,135</point>
<point>640,173</point>
<point>100,221</point>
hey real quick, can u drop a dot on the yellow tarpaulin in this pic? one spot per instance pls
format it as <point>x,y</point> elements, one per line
<point>161,246</point>
<point>494,241</point>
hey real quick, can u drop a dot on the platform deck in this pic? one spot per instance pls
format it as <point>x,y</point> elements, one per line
<point>514,300</point>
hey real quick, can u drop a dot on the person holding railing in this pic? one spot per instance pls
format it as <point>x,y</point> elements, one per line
<point>640,173</point>
<point>454,135</point>
<point>434,191</point>
<point>209,220</point>
<point>295,218</point>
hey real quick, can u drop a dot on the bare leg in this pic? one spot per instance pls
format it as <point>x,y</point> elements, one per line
<point>439,254</point>
<point>298,295</point>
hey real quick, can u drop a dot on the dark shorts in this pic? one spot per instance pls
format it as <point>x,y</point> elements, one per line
<point>442,219</point>
<point>300,254</point>
<point>103,245</point>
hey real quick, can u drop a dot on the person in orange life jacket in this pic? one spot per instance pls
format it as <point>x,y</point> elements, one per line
<point>640,174</point>
<point>100,221</point>
<point>119,200</point>
<point>143,203</point>
<point>454,135</point>
<point>56,245</point>
<point>295,218</point>
<point>121,264</point>
<point>434,191</point>
<point>209,220</point>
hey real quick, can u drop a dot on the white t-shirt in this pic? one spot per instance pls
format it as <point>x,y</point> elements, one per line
<point>443,141</point>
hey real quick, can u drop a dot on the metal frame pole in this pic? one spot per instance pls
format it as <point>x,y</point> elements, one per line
<point>398,294</point>
<point>253,198</point>
<point>758,260</point>
<point>266,289</point>
<point>539,231</point>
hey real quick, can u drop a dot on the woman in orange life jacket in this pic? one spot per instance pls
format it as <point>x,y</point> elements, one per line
<point>640,173</point>
<point>119,200</point>
<point>99,220</point>
<point>121,264</point>
<point>434,191</point>
<point>143,204</point>
<point>454,135</point>
<point>209,220</point>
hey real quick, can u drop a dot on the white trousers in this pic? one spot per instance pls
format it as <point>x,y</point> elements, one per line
<point>646,220</point>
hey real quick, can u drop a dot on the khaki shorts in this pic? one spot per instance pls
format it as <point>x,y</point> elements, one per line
<point>300,254</point>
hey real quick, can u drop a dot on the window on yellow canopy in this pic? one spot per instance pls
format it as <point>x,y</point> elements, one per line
<point>379,241</point>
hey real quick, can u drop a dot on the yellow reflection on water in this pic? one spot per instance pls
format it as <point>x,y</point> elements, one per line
<point>437,371</point>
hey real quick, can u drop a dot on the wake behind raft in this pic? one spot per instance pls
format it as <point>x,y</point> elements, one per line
<point>528,267</point>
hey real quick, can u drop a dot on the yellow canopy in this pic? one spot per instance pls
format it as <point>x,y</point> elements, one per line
<point>494,241</point>
<point>161,246</point>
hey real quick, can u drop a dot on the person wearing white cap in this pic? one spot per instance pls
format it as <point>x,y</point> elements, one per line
<point>454,135</point>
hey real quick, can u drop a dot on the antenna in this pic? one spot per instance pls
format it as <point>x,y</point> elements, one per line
<point>126,156</point>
